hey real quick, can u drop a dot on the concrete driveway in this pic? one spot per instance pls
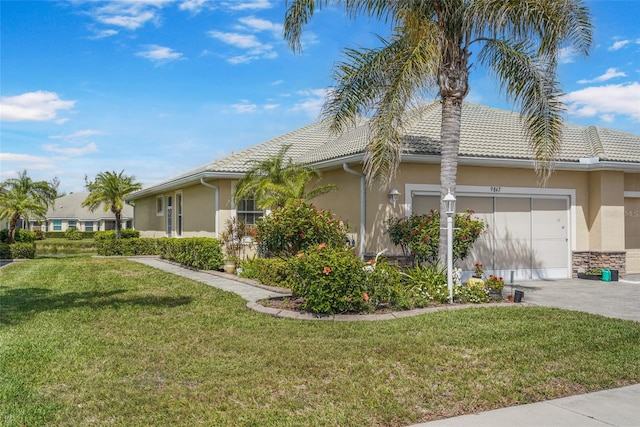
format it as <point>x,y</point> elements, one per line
<point>620,299</point>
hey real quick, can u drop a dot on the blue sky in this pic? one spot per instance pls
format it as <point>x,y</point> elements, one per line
<point>158,87</point>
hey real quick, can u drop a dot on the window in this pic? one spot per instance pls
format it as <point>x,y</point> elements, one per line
<point>72,224</point>
<point>248,212</point>
<point>179,214</point>
<point>88,226</point>
<point>169,215</point>
<point>159,209</point>
<point>57,225</point>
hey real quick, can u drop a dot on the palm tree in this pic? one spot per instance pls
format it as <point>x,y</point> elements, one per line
<point>274,181</point>
<point>110,189</point>
<point>430,48</point>
<point>23,197</point>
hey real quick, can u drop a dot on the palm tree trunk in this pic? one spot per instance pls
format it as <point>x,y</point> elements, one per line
<point>118,225</point>
<point>450,137</point>
<point>13,224</point>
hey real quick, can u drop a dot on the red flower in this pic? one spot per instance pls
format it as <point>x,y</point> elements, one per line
<point>365,296</point>
<point>327,270</point>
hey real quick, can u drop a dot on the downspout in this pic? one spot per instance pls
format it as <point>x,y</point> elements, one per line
<point>363,205</point>
<point>216,202</point>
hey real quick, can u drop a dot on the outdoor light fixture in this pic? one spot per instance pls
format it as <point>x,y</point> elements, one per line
<point>393,196</point>
<point>450,209</point>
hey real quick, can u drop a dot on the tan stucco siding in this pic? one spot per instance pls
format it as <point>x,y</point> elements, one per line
<point>198,204</point>
<point>606,210</point>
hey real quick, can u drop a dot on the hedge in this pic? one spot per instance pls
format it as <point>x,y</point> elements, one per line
<point>62,234</point>
<point>17,251</point>
<point>125,233</point>
<point>203,253</point>
<point>199,252</point>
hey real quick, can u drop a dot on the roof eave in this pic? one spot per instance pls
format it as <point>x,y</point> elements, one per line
<point>178,183</point>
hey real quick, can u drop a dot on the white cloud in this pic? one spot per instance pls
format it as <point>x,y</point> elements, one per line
<point>566,55</point>
<point>160,54</point>
<point>312,102</point>
<point>605,101</point>
<point>252,23</point>
<point>254,48</point>
<point>277,83</point>
<point>70,151</point>
<point>242,41</point>
<point>103,34</point>
<point>24,158</point>
<point>244,107</point>
<point>78,134</point>
<point>128,14</point>
<point>271,106</point>
<point>247,5</point>
<point>619,45</point>
<point>33,106</point>
<point>611,73</point>
<point>193,6</point>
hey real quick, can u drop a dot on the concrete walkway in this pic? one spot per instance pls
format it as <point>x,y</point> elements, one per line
<point>222,281</point>
<point>620,300</point>
<point>615,407</point>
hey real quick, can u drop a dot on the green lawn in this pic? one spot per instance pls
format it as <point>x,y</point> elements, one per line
<point>88,341</point>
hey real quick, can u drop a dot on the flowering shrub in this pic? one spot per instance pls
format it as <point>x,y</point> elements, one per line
<point>494,283</point>
<point>297,226</point>
<point>418,235</point>
<point>471,294</point>
<point>331,280</point>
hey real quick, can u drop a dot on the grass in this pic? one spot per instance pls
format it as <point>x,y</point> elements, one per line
<point>109,342</point>
<point>61,247</point>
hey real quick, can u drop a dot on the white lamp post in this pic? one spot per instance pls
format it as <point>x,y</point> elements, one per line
<point>450,209</point>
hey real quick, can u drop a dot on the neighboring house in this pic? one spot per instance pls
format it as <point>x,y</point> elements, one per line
<point>68,212</point>
<point>587,215</point>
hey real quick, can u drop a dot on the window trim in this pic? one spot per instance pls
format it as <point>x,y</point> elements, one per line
<point>159,206</point>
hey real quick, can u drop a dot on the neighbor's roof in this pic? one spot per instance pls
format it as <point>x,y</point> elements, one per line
<point>69,207</point>
<point>487,134</point>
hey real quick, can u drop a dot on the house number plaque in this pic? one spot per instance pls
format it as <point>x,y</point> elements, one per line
<point>496,189</point>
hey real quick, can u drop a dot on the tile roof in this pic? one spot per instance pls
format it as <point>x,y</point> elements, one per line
<point>69,207</point>
<point>486,133</point>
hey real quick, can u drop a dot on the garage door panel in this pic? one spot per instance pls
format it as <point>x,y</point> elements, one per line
<point>526,234</point>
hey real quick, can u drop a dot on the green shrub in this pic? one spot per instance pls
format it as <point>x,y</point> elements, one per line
<point>297,226</point>
<point>384,284</point>
<point>73,233</point>
<point>268,271</point>
<point>5,251</point>
<point>22,251</point>
<point>20,236</point>
<point>125,233</point>
<point>426,285</point>
<point>419,235</point>
<point>203,253</point>
<point>331,280</point>
<point>62,234</point>
<point>471,293</point>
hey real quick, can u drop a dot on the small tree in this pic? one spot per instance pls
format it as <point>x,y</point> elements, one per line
<point>297,226</point>
<point>418,235</point>
<point>110,189</point>
<point>23,197</point>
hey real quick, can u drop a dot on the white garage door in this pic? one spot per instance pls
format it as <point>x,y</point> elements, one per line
<point>526,235</point>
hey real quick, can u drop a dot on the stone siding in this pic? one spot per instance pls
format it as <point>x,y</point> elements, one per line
<point>585,260</point>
